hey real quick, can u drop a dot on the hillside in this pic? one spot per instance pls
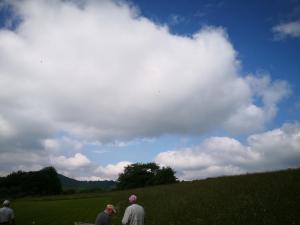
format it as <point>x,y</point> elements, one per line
<point>255,199</point>
<point>69,183</point>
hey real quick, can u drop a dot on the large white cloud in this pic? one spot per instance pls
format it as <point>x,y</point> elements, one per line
<point>98,71</point>
<point>102,71</point>
<point>216,156</point>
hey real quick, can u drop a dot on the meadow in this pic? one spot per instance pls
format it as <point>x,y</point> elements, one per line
<point>257,199</point>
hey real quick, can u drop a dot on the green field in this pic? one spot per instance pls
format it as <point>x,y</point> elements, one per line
<point>58,211</point>
<point>270,198</point>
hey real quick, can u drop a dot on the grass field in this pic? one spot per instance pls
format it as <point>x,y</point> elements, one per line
<point>270,199</point>
<point>58,211</point>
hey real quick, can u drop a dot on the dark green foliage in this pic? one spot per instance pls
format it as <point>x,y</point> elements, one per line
<point>42,182</point>
<point>142,175</point>
<point>165,175</point>
<point>69,183</point>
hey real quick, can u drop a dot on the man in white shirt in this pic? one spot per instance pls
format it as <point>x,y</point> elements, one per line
<point>134,214</point>
<point>7,216</point>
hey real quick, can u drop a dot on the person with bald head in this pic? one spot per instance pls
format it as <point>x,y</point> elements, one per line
<point>134,214</point>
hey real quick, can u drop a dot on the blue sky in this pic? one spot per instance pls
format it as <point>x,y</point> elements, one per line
<point>96,86</point>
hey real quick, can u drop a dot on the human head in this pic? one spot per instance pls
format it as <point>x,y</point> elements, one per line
<point>110,209</point>
<point>6,203</point>
<point>132,199</point>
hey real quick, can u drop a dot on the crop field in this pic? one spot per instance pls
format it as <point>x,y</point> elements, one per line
<point>258,199</point>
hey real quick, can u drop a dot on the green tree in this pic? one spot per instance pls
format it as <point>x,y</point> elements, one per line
<point>42,182</point>
<point>165,175</point>
<point>145,174</point>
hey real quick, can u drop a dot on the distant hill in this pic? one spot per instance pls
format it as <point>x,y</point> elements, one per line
<point>69,183</point>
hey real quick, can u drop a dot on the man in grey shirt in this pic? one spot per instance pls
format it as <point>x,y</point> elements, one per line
<point>104,218</point>
<point>7,216</point>
<point>134,214</point>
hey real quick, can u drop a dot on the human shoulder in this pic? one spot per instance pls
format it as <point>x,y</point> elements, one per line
<point>138,206</point>
<point>8,212</point>
<point>103,215</point>
<point>130,207</point>
<point>102,218</point>
<point>6,209</point>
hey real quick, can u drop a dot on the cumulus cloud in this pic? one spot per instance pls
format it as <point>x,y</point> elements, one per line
<point>97,71</point>
<point>254,117</point>
<point>63,145</point>
<point>111,171</point>
<point>216,156</point>
<point>75,162</point>
<point>71,165</point>
<point>285,30</point>
<point>84,169</point>
<point>103,72</point>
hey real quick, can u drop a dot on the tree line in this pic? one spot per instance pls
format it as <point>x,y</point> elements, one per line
<point>19,184</point>
<point>48,182</point>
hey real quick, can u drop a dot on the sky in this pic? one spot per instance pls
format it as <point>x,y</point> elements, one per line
<point>209,88</point>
